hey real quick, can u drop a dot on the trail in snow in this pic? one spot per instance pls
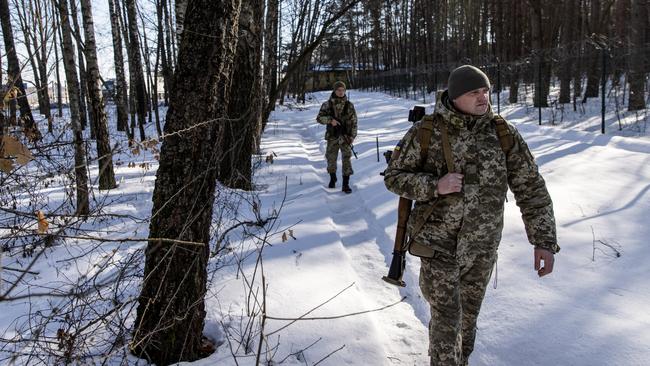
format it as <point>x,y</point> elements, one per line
<point>595,181</point>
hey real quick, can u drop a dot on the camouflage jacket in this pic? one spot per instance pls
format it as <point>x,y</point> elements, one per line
<point>343,111</point>
<point>470,222</point>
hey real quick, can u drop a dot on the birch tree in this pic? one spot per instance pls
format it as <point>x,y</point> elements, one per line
<point>98,112</point>
<point>81,177</point>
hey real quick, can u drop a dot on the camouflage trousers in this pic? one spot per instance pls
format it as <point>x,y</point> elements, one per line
<point>332,154</point>
<point>455,292</point>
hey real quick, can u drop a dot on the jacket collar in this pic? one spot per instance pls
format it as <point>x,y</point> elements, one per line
<point>336,100</point>
<point>457,119</point>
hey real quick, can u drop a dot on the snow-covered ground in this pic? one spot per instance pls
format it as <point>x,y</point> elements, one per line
<point>590,311</point>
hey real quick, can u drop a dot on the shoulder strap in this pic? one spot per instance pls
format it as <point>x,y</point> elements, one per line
<point>446,146</point>
<point>506,139</point>
<point>424,136</point>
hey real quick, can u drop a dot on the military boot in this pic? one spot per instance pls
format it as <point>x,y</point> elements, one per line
<point>346,184</point>
<point>332,183</point>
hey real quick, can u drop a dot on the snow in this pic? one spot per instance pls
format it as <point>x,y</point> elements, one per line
<point>589,311</point>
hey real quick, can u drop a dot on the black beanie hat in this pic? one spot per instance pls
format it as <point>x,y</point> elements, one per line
<point>464,79</point>
<point>339,84</point>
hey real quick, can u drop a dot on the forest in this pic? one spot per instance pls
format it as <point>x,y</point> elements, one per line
<point>102,98</point>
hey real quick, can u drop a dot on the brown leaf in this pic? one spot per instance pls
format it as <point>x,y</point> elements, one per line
<point>13,147</point>
<point>291,234</point>
<point>10,146</point>
<point>43,225</point>
<point>6,165</point>
<point>284,237</point>
<point>148,144</point>
<point>11,94</point>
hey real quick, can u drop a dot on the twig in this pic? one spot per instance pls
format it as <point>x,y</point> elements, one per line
<point>301,350</point>
<point>19,270</point>
<point>310,311</point>
<point>329,354</point>
<point>340,316</point>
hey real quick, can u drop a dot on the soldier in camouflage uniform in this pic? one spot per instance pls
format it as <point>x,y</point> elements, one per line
<point>341,120</point>
<point>464,229</point>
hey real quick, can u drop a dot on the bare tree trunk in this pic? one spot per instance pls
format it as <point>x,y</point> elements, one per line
<point>121,11</point>
<point>147,63</point>
<point>181,7</point>
<point>135,64</point>
<point>121,99</point>
<point>43,19</point>
<point>73,94</point>
<point>246,100</point>
<point>83,78</point>
<point>540,95</point>
<point>171,308</point>
<point>567,37</point>
<point>26,25</point>
<point>160,49</point>
<point>13,73</point>
<point>98,112</point>
<point>270,59</point>
<point>593,72</point>
<point>59,38</point>
<point>32,17</point>
<point>640,35</point>
<point>170,41</point>
<point>162,54</point>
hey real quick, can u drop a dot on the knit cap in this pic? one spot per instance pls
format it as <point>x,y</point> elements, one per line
<point>464,79</point>
<point>339,84</point>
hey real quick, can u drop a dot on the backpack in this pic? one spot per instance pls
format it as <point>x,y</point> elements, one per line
<point>506,140</point>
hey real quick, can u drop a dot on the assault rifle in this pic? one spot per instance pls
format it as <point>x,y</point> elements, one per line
<point>398,263</point>
<point>339,132</point>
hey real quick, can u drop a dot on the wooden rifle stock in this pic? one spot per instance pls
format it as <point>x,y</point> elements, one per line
<point>396,270</point>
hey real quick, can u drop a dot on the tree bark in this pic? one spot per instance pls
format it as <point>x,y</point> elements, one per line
<point>98,112</point>
<point>246,100</point>
<point>181,7</point>
<point>540,96</point>
<point>270,56</point>
<point>171,312</point>
<point>121,98</point>
<point>31,20</point>
<point>73,97</point>
<point>162,50</point>
<point>135,63</point>
<point>13,74</point>
<point>593,72</point>
<point>57,37</point>
<point>83,78</point>
<point>640,35</point>
<point>567,37</point>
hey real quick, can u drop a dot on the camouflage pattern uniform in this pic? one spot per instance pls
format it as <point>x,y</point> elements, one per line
<point>336,138</point>
<point>465,228</point>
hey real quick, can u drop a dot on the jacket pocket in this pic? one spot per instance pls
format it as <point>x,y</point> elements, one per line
<point>435,235</point>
